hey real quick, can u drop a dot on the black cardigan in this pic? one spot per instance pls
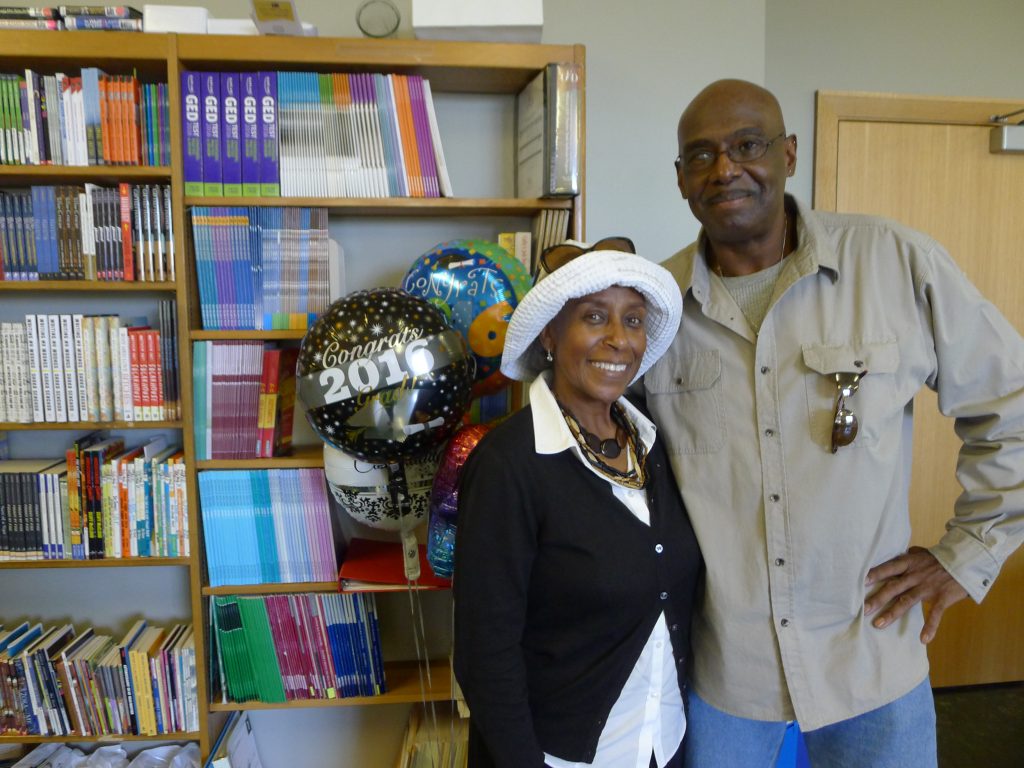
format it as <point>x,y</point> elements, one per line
<point>557,589</point>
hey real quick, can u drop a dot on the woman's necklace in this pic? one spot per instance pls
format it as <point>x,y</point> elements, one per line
<point>636,475</point>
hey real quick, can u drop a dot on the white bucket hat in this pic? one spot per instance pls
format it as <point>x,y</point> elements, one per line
<point>523,358</point>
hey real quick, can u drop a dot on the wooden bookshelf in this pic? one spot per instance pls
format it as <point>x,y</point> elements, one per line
<point>403,679</point>
<point>296,588</point>
<point>463,68</point>
<point>104,739</point>
<point>401,206</point>
<point>301,457</point>
<point>113,562</point>
<point>38,426</point>
<point>152,58</point>
<point>259,335</point>
<point>85,286</point>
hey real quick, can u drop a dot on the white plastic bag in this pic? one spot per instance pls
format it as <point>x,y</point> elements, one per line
<point>112,756</point>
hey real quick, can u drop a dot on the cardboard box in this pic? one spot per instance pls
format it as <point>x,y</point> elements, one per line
<point>186,19</point>
<point>483,20</point>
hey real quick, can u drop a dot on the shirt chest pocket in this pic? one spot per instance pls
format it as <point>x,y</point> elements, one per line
<point>685,394</point>
<point>874,402</point>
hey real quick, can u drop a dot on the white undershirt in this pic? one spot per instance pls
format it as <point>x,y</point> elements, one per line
<point>648,715</point>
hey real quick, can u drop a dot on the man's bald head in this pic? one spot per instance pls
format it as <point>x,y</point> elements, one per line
<point>732,94</point>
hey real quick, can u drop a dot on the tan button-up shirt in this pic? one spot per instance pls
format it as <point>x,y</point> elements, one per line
<point>788,529</point>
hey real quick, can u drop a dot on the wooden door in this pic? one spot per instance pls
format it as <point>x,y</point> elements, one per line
<point>925,162</point>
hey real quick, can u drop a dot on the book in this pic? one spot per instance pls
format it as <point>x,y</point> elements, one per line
<point>270,176</point>
<point>548,132</point>
<point>213,180</point>
<point>378,566</point>
<point>231,133</point>
<point>192,132</point>
<point>251,133</point>
<point>236,745</point>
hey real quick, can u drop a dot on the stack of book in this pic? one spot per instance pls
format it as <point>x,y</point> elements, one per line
<point>277,648</point>
<point>102,500</point>
<point>244,399</point>
<point>88,119</point>
<point>435,738</point>
<point>311,134</point>
<point>87,232</point>
<point>96,368</point>
<point>261,268</point>
<point>58,682</point>
<point>119,18</point>
<point>550,227</point>
<point>267,526</point>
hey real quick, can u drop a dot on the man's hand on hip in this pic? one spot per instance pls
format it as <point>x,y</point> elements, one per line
<point>907,580</point>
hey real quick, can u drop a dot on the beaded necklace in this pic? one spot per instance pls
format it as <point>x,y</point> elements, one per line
<point>636,476</point>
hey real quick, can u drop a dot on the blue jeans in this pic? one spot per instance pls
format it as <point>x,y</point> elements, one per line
<point>898,735</point>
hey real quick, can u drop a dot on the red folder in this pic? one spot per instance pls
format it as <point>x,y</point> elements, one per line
<point>377,566</point>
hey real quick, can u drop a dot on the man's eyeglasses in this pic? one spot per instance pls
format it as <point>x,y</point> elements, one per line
<point>555,256</point>
<point>744,150</point>
<point>844,423</point>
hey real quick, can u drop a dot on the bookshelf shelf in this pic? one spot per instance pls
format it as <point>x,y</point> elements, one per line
<point>105,739</point>
<point>450,66</point>
<point>53,49</point>
<point>71,174</point>
<point>302,457</point>
<point>401,206</point>
<point>85,286</point>
<point>262,335</point>
<point>127,562</point>
<point>403,684</point>
<point>273,589</point>
<point>66,425</point>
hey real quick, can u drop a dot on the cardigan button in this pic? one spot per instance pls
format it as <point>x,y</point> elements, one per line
<point>659,548</point>
<point>663,595</point>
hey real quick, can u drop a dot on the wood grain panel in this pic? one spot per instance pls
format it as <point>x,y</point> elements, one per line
<point>941,179</point>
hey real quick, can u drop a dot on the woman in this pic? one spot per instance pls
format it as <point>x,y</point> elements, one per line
<point>575,560</point>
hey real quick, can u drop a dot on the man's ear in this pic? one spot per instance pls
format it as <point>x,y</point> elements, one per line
<point>679,180</point>
<point>791,155</point>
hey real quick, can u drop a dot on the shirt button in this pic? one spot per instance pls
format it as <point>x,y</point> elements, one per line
<point>765,369</point>
<point>769,432</point>
<point>679,380</point>
<point>784,622</point>
<point>657,644</point>
<point>858,363</point>
<point>775,497</point>
<point>985,582</point>
<point>663,595</point>
<point>659,548</point>
<point>779,561</point>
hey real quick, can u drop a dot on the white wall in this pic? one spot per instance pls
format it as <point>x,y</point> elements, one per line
<point>936,47</point>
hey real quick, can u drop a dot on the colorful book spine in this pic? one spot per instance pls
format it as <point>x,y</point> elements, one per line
<point>270,158</point>
<point>192,132</point>
<point>231,133</point>
<point>251,133</point>
<point>213,180</point>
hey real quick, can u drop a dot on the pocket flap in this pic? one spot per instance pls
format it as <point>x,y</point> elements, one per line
<point>699,370</point>
<point>874,357</point>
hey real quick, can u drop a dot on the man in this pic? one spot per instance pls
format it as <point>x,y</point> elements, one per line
<point>786,402</point>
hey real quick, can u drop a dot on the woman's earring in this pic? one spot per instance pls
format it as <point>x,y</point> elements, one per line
<point>549,356</point>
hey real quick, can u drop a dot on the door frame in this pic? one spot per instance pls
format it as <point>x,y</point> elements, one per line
<point>832,107</point>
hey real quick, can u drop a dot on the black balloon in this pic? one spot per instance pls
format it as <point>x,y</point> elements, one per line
<point>383,376</point>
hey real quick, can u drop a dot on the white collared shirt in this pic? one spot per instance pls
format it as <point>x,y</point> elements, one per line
<point>648,715</point>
